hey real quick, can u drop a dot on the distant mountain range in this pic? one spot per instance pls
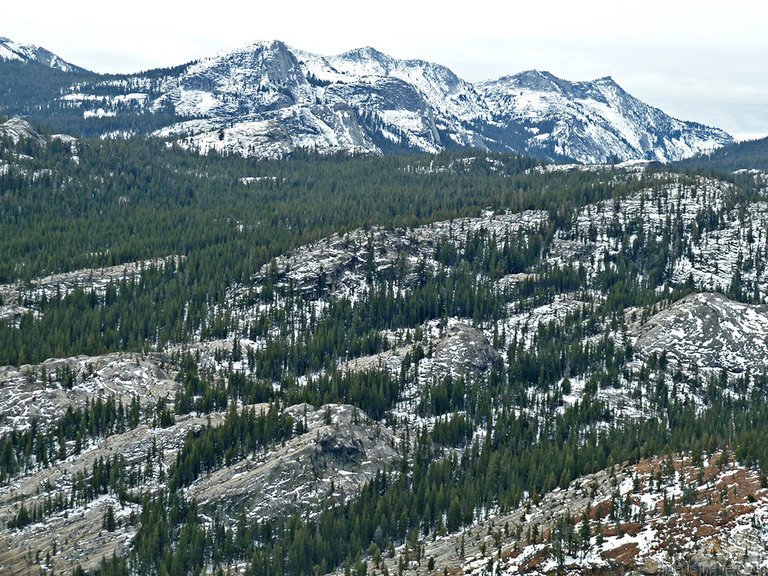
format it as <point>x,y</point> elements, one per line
<point>28,53</point>
<point>268,99</point>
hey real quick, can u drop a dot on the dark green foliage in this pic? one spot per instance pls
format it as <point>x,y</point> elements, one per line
<point>374,392</point>
<point>493,437</point>
<point>454,431</point>
<point>241,434</point>
<point>488,474</point>
<point>19,450</point>
<point>130,200</point>
<point>109,519</point>
<point>748,155</point>
<point>28,86</point>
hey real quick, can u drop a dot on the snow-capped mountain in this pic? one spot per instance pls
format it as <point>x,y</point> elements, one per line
<point>273,99</point>
<point>268,99</point>
<point>586,120</point>
<point>13,51</point>
<point>442,100</point>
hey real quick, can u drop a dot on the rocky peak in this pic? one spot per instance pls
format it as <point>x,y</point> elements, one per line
<point>531,79</point>
<point>592,121</point>
<point>263,65</point>
<point>341,450</point>
<point>18,129</point>
<point>710,331</point>
<point>366,55</point>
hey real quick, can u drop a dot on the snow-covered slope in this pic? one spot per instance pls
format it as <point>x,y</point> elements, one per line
<point>675,515</point>
<point>256,100</point>
<point>17,129</point>
<point>267,99</point>
<point>714,245</point>
<point>592,121</point>
<point>444,101</point>
<point>10,50</point>
<point>712,332</point>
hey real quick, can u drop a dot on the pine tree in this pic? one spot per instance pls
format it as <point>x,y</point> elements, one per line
<point>109,524</point>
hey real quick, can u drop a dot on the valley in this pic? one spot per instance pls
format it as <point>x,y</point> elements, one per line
<point>272,312</point>
<point>421,371</point>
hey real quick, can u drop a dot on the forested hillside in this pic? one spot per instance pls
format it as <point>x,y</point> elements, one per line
<point>748,155</point>
<point>25,86</point>
<point>213,364</point>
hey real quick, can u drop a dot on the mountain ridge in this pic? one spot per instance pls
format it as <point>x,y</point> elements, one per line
<point>10,50</point>
<point>267,99</point>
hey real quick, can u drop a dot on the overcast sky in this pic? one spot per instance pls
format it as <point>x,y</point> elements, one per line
<point>697,60</point>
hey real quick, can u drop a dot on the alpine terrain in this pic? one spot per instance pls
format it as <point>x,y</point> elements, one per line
<point>268,99</point>
<point>225,350</point>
